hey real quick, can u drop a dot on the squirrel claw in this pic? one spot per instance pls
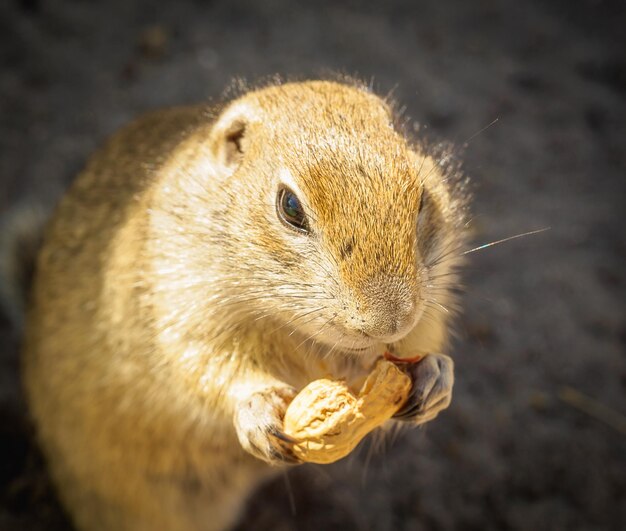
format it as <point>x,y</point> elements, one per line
<point>282,436</point>
<point>433,379</point>
<point>259,421</point>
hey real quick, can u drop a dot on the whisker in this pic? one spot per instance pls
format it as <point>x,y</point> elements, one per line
<point>316,333</point>
<point>484,246</point>
<point>480,131</point>
<point>296,318</point>
<point>433,301</point>
<point>290,496</point>
<point>368,459</point>
<point>304,324</point>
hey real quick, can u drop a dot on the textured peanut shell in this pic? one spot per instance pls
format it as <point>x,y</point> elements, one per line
<point>328,420</point>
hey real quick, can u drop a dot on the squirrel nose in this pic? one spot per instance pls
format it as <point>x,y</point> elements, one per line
<point>388,312</point>
<point>389,322</point>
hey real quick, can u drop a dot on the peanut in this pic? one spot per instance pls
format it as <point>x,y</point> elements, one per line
<point>328,420</point>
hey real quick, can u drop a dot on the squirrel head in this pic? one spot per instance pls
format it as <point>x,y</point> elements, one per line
<point>328,219</point>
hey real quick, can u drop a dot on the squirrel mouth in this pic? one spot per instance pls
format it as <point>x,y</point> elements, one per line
<point>357,349</point>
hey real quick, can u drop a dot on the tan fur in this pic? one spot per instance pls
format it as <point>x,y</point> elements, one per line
<point>168,291</point>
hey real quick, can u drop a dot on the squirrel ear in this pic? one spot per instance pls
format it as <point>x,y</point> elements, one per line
<point>229,138</point>
<point>232,146</point>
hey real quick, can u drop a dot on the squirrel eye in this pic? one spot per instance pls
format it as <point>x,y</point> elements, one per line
<point>290,210</point>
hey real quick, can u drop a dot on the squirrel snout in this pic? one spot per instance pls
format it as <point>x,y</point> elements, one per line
<point>388,324</point>
<point>388,314</point>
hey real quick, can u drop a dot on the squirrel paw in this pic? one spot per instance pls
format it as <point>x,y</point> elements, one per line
<point>433,378</point>
<point>259,425</point>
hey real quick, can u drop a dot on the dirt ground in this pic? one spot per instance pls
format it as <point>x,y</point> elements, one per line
<point>535,437</point>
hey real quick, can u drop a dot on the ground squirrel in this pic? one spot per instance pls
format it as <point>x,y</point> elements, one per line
<point>204,267</point>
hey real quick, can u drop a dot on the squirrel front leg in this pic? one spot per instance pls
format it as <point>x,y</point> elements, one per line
<point>432,376</point>
<point>258,419</point>
<point>431,392</point>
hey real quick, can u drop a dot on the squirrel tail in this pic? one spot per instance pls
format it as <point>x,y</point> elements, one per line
<point>21,232</point>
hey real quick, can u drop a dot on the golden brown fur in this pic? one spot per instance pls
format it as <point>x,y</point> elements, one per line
<point>168,293</point>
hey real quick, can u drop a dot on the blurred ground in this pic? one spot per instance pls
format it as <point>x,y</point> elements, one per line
<point>544,331</point>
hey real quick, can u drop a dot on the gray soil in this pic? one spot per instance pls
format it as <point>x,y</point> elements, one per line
<point>535,437</point>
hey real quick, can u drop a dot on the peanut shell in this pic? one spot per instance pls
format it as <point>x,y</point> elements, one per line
<point>328,420</point>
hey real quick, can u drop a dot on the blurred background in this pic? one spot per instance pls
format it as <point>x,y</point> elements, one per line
<point>535,437</point>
